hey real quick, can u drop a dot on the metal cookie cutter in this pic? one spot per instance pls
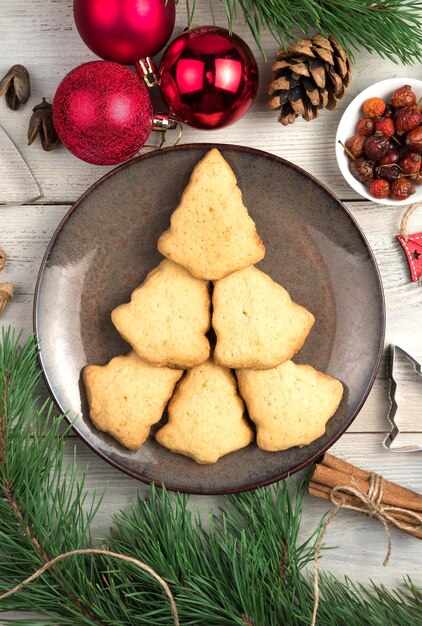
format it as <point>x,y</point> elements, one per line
<point>415,366</point>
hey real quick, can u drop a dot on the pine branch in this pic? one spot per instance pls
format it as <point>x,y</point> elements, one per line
<point>245,566</point>
<point>391,28</point>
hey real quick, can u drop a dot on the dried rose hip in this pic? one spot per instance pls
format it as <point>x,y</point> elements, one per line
<point>411,163</point>
<point>362,169</point>
<point>401,189</point>
<point>355,145</point>
<point>366,127</point>
<point>380,188</point>
<point>385,126</point>
<point>376,146</point>
<point>417,178</point>
<point>389,172</point>
<point>374,107</point>
<point>414,139</point>
<point>407,118</point>
<point>392,156</point>
<point>403,97</point>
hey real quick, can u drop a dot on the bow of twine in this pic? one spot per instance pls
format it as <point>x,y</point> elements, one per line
<point>372,506</point>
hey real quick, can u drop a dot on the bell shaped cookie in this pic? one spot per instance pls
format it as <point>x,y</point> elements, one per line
<point>206,416</point>
<point>211,233</point>
<point>167,318</point>
<point>256,323</point>
<point>127,396</point>
<point>289,404</point>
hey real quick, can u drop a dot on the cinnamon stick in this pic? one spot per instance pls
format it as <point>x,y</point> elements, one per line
<point>324,492</point>
<point>333,472</point>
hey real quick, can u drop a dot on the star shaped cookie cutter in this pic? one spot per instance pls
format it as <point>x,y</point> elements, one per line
<point>396,351</point>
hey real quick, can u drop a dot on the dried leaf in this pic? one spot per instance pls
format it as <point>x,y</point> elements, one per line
<point>6,294</point>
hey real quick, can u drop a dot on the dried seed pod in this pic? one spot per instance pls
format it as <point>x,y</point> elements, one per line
<point>6,294</point>
<point>3,259</point>
<point>41,123</point>
<point>16,87</point>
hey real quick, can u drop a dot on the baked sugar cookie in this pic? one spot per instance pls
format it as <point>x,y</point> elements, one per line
<point>289,404</point>
<point>211,233</point>
<point>167,318</point>
<point>256,323</point>
<point>127,396</point>
<point>206,416</point>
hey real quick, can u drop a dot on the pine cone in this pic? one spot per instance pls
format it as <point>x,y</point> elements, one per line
<point>310,75</point>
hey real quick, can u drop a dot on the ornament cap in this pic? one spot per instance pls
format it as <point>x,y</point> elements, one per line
<point>163,122</point>
<point>147,71</point>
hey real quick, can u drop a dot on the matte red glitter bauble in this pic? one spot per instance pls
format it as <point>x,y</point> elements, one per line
<point>209,78</point>
<point>102,112</point>
<point>124,30</point>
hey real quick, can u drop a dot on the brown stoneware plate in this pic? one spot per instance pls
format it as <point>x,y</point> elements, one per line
<point>105,246</point>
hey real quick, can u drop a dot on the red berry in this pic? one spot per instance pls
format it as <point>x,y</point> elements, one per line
<point>389,172</point>
<point>401,189</point>
<point>385,126</point>
<point>411,163</point>
<point>407,118</point>
<point>376,146</point>
<point>362,169</point>
<point>366,127</point>
<point>414,139</point>
<point>403,97</point>
<point>355,145</point>
<point>374,107</point>
<point>380,188</point>
<point>392,156</point>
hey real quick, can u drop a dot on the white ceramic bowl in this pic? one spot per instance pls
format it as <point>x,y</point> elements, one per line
<point>347,127</point>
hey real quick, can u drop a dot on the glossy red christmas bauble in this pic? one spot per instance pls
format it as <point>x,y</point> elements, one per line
<point>124,30</point>
<point>102,112</point>
<point>209,78</point>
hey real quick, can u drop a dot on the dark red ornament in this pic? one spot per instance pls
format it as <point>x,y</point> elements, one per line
<point>412,247</point>
<point>102,112</point>
<point>209,77</point>
<point>125,30</point>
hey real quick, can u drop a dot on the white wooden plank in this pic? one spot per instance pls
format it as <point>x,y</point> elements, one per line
<point>39,37</point>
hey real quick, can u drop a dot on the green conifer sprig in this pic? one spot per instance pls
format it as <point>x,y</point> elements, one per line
<point>391,28</point>
<point>245,565</point>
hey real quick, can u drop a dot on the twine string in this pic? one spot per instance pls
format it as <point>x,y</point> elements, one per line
<point>405,219</point>
<point>122,557</point>
<point>372,506</point>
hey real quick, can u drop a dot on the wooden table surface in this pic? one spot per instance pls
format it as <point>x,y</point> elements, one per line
<point>41,35</point>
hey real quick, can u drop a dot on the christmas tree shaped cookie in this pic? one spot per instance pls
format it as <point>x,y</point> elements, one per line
<point>206,416</point>
<point>127,396</point>
<point>256,323</point>
<point>289,404</point>
<point>211,233</point>
<point>167,318</point>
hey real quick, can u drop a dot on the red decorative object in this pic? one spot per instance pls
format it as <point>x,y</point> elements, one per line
<point>102,112</point>
<point>209,78</point>
<point>413,250</point>
<point>125,30</point>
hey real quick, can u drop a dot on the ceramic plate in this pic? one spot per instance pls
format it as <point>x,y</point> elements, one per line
<point>105,246</point>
